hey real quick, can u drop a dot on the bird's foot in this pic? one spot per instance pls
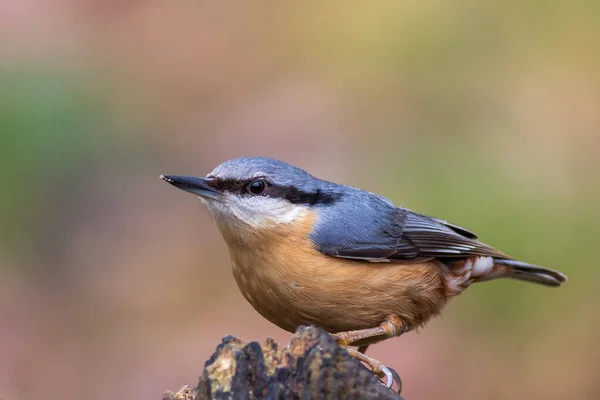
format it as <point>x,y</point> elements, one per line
<point>378,369</point>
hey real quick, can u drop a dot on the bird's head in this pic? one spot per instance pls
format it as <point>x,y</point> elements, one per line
<point>249,194</point>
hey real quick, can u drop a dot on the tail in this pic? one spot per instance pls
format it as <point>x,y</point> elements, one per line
<point>529,272</point>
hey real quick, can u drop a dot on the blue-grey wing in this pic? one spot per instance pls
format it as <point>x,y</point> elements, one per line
<point>377,231</point>
<point>439,239</point>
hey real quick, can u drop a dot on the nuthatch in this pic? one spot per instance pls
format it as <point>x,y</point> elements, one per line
<point>310,252</point>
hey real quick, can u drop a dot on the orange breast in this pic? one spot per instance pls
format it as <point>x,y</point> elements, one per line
<point>290,283</point>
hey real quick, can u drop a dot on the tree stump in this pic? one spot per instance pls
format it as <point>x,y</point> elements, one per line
<point>312,366</point>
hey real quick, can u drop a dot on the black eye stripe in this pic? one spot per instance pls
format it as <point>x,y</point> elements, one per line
<point>290,193</point>
<point>315,198</point>
<point>226,185</point>
<point>297,196</point>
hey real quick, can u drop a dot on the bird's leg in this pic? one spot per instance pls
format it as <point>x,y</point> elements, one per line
<point>345,339</point>
<point>391,327</point>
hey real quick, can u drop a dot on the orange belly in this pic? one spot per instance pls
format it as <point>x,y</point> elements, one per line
<point>291,283</point>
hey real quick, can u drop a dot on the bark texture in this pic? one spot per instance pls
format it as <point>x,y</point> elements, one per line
<point>312,366</point>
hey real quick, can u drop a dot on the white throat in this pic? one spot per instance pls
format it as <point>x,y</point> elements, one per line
<point>254,211</point>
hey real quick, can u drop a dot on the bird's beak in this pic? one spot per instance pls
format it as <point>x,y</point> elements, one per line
<point>198,186</point>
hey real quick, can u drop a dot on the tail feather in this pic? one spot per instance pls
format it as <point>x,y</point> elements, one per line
<point>531,273</point>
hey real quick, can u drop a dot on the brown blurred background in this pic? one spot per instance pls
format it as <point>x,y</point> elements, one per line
<point>115,285</point>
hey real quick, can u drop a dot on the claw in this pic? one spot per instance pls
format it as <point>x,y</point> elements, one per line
<point>389,377</point>
<point>397,379</point>
<point>378,369</point>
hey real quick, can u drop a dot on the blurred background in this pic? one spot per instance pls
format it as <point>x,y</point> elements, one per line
<point>115,285</point>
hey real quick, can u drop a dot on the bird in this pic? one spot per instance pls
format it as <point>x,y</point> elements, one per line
<point>306,251</point>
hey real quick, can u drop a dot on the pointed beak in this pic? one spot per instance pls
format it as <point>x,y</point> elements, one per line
<point>198,186</point>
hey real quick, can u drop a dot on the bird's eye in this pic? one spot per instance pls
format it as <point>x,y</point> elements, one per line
<point>257,187</point>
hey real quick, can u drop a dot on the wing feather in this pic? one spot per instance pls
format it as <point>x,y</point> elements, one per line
<point>412,236</point>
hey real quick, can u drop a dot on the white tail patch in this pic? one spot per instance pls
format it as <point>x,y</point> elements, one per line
<point>481,266</point>
<point>459,278</point>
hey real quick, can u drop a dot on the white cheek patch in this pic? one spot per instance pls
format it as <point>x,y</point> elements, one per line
<point>258,211</point>
<point>289,214</point>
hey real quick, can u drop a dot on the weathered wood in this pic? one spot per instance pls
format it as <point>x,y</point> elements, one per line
<point>312,366</point>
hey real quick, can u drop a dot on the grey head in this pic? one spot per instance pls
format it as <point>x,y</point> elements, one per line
<point>260,192</point>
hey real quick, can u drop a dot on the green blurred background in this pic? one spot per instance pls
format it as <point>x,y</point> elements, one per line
<point>115,285</point>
